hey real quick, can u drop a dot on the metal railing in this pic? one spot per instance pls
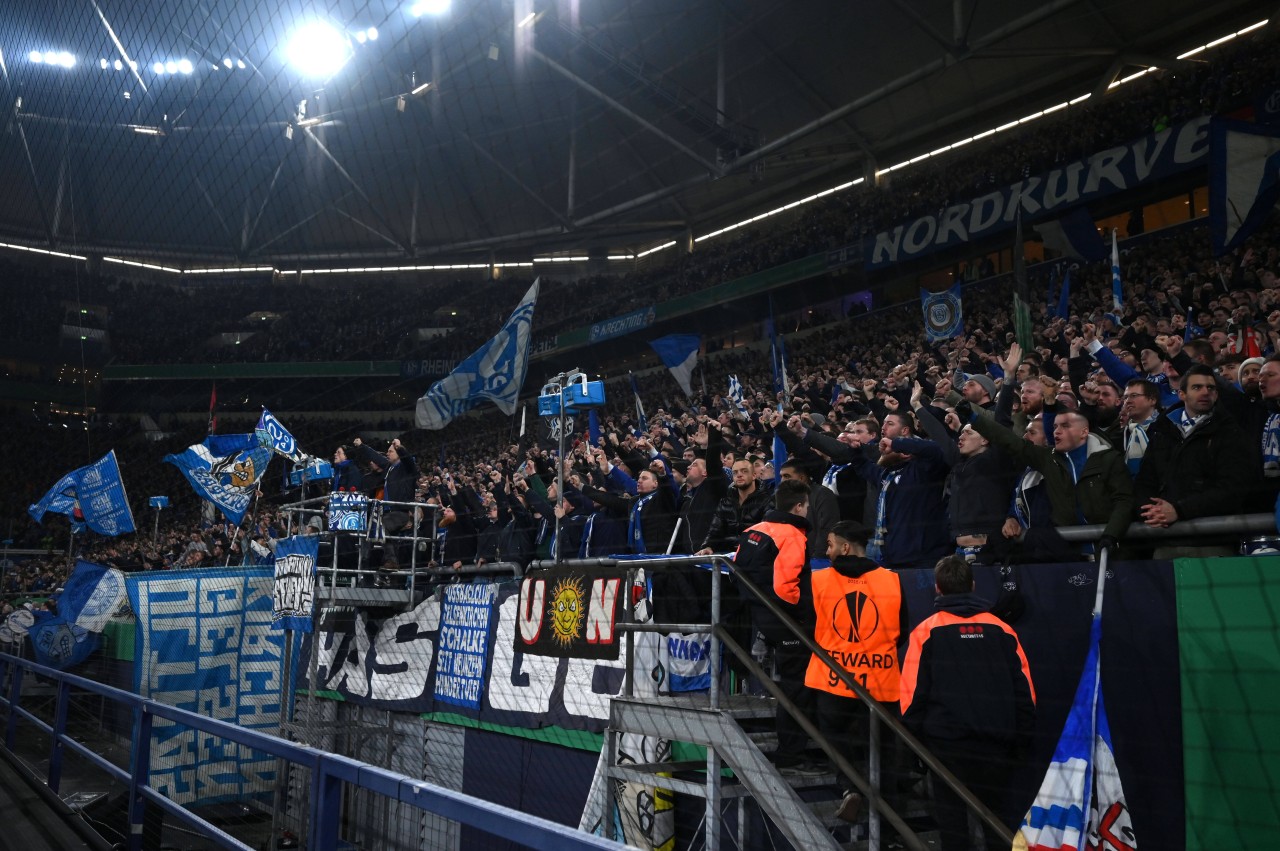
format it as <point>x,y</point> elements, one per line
<point>329,772</point>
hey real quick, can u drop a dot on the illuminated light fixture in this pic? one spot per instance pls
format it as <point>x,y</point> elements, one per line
<point>171,67</point>
<point>371,33</point>
<point>512,265</point>
<point>185,66</point>
<point>240,64</point>
<point>158,67</point>
<point>36,57</point>
<point>66,60</point>
<point>421,89</point>
<point>118,65</point>
<point>362,37</point>
<point>572,259</point>
<point>429,7</point>
<point>102,63</point>
<point>50,58</point>
<point>656,248</point>
<point>528,19</point>
<point>33,250</point>
<point>621,257</point>
<point>227,63</point>
<point>318,50</point>
<point>146,131</point>
<point>141,265</point>
<point>230,270</point>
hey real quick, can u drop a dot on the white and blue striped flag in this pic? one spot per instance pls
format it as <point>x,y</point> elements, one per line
<point>1117,289</point>
<point>679,352</point>
<point>735,394</point>
<point>495,371</point>
<point>1081,802</point>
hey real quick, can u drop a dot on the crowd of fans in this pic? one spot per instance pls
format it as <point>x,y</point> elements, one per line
<point>853,381</point>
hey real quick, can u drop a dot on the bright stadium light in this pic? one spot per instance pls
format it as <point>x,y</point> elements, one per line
<point>226,63</point>
<point>158,67</point>
<point>429,7</point>
<point>102,63</point>
<point>362,37</point>
<point>171,67</point>
<point>50,57</point>
<point>240,64</point>
<point>66,60</point>
<point>319,50</point>
<point>371,33</point>
<point>36,57</point>
<point>118,65</point>
<point>185,66</point>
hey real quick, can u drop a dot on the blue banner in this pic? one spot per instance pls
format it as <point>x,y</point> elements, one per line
<point>204,643</point>
<point>943,314</point>
<point>293,597</point>
<point>679,353</point>
<point>91,496</point>
<point>495,372</point>
<point>225,470</point>
<point>92,594</point>
<point>1048,195</point>
<point>462,662</point>
<point>1243,183</point>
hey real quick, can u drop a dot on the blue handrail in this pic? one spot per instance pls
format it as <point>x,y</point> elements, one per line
<point>328,772</point>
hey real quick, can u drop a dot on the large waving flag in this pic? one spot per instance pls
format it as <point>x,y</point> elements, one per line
<point>1073,235</point>
<point>1244,179</point>
<point>93,594</point>
<point>1064,296</point>
<point>1081,802</point>
<point>680,354</point>
<point>225,470</point>
<point>91,496</point>
<point>943,313</point>
<point>735,394</point>
<point>273,435</point>
<point>495,371</point>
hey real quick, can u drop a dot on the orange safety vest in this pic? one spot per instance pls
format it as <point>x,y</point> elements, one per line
<point>859,624</point>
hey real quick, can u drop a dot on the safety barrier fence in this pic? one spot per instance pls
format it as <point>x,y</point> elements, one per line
<point>331,775</point>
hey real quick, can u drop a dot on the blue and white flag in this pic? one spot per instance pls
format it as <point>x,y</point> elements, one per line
<point>778,357</point>
<point>1064,296</point>
<point>735,394</point>
<point>1117,289</point>
<point>1074,235</point>
<point>1244,179</point>
<point>348,511</point>
<point>225,470</point>
<point>93,594</point>
<point>91,496</point>
<point>641,419</point>
<point>495,371</point>
<point>680,354</point>
<point>293,596</point>
<point>273,435</point>
<point>1081,802</point>
<point>943,313</point>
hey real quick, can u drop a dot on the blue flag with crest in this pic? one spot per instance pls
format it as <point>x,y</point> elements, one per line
<point>91,496</point>
<point>495,371</point>
<point>273,435</point>
<point>225,470</point>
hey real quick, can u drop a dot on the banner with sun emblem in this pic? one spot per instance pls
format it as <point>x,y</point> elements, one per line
<point>570,612</point>
<point>943,314</point>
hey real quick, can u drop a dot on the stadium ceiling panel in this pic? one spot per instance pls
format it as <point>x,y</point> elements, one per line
<point>497,129</point>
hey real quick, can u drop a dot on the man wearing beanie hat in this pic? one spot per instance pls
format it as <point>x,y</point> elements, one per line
<point>979,390</point>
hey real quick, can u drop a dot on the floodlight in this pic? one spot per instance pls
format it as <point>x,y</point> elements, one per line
<point>226,63</point>
<point>319,50</point>
<point>102,63</point>
<point>50,58</point>
<point>372,33</point>
<point>240,64</point>
<point>429,7</point>
<point>36,56</point>
<point>118,65</point>
<point>185,66</point>
<point>362,37</point>
<point>171,67</point>
<point>66,60</point>
<point>158,68</point>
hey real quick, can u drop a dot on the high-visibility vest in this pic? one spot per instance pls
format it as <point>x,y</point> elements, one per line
<point>859,622</point>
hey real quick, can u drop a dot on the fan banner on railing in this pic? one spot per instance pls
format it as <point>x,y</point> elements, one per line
<point>204,643</point>
<point>571,612</point>
<point>462,654</point>
<point>348,511</point>
<point>293,596</point>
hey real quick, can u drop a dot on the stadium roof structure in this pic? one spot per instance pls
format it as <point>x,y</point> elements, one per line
<point>504,129</point>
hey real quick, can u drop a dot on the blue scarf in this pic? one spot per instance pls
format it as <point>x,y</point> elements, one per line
<point>634,531</point>
<point>875,547</point>
<point>1271,447</point>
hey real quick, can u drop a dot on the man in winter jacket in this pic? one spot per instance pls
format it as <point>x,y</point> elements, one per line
<point>967,694</point>
<point>771,554</point>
